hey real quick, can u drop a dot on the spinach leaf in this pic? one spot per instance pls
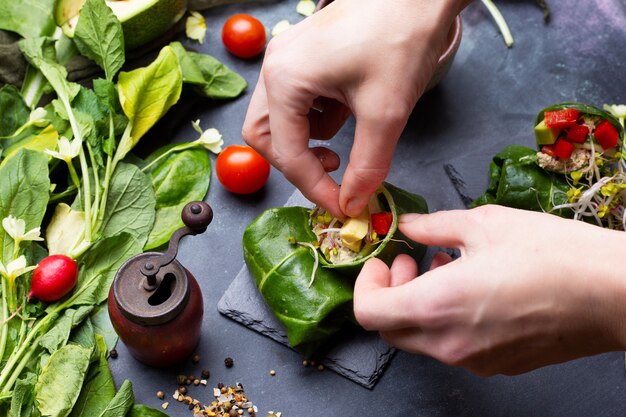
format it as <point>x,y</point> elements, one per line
<point>121,403</point>
<point>59,383</point>
<point>13,111</point>
<point>99,37</point>
<point>207,75</point>
<point>102,327</point>
<point>516,180</point>
<point>130,204</point>
<point>29,18</point>
<point>98,389</point>
<point>23,398</point>
<point>177,179</point>
<point>39,141</point>
<point>146,94</point>
<point>139,410</point>
<point>24,191</point>
<point>98,266</point>
<point>83,335</point>
<point>59,334</point>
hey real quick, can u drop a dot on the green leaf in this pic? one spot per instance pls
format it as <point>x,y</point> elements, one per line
<point>99,37</point>
<point>13,111</point>
<point>29,18</point>
<point>83,335</point>
<point>23,396</point>
<point>130,204</point>
<point>140,410</point>
<point>516,180</point>
<point>24,191</point>
<point>60,381</point>
<point>40,140</point>
<point>121,403</point>
<point>209,76</point>
<point>177,179</point>
<point>146,94</point>
<point>98,266</point>
<point>103,327</point>
<point>59,334</point>
<point>99,388</point>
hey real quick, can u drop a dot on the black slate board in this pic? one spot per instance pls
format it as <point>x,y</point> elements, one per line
<point>360,356</point>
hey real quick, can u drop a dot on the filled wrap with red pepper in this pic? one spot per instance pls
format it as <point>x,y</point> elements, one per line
<point>306,286</point>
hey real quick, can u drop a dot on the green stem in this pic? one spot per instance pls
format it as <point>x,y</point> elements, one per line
<point>5,316</point>
<point>73,175</point>
<point>20,367</point>
<point>33,86</point>
<point>97,191</point>
<point>499,19</point>
<point>86,194</point>
<point>12,295</point>
<point>70,191</point>
<point>178,148</point>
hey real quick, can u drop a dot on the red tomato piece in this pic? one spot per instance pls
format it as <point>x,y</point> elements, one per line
<point>577,134</point>
<point>606,135</point>
<point>548,150</point>
<point>560,119</point>
<point>563,149</point>
<point>243,35</point>
<point>241,169</point>
<point>381,222</point>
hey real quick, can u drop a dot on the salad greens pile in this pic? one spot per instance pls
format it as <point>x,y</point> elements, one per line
<point>71,186</point>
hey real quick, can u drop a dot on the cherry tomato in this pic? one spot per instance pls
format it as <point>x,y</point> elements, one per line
<point>241,169</point>
<point>243,35</point>
<point>54,277</point>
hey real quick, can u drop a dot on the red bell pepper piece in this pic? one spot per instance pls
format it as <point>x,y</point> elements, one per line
<point>548,150</point>
<point>606,135</point>
<point>560,119</point>
<point>563,149</point>
<point>577,134</point>
<point>381,222</point>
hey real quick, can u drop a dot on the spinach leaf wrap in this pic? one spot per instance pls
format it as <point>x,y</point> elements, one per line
<point>313,300</point>
<point>516,180</point>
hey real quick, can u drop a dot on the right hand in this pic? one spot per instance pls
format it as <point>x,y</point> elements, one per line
<point>370,58</point>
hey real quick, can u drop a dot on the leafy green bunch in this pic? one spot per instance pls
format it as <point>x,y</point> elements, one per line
<point>71,186</point>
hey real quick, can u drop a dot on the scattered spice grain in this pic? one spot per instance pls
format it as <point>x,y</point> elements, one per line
<point>272,372</point>
<point>229,362</point>
<point>113,354</point>
<point>195,358</point>
<point>160,395</point>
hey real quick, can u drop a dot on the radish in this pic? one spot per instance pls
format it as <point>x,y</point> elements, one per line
<point>54,277</point>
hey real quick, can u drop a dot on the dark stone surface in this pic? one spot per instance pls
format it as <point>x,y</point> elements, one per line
<point>489,98</point>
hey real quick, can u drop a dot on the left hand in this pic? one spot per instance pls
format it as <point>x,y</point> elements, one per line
<point>529,290</point>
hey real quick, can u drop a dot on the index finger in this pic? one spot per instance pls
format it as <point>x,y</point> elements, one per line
<point>289,107</point>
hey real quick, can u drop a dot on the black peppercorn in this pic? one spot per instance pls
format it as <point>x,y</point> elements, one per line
<point>229,362</point>
<point>113,354</point>
<point>206,374</point>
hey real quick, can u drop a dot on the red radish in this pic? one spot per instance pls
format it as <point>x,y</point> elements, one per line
<point>54,277</point>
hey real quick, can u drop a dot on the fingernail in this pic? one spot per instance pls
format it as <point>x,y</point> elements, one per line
<point>409,217</point>
<point>355,206</point>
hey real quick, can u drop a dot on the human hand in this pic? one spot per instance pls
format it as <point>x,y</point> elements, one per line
<point>529,289</point>
<point>367,57</point>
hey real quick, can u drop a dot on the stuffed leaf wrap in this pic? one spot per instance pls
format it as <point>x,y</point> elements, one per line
<point>280,252</point>
<point>515,180</point>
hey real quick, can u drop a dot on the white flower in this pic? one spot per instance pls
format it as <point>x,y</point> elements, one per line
<point>280,27</point>
<point>195,27</point>
<point>67,150</point>
<point>16,228</point>
<point>38,117</point>
<point>305,7</point>
<point>15,268</point>
<point>211,138</point>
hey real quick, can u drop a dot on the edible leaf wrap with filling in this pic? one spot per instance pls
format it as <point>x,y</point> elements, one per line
<point>282,269</point>
<point>515,180</point>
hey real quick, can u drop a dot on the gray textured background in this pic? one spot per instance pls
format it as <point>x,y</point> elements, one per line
<point>489,98</point>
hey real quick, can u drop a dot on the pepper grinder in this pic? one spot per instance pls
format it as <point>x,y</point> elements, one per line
<point>155,304</point>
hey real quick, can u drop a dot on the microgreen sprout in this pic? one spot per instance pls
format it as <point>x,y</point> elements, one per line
<point>316,256</point>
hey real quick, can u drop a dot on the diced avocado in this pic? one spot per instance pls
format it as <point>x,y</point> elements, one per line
<point>142,20</point>
<point>546,135</point>
<point>354,231</point>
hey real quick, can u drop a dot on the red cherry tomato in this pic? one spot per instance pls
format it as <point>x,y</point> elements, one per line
<point>241,169</point>
<point>243,35</point>
<point>54,277</point>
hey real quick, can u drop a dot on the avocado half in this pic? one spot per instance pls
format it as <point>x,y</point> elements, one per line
<point>142,20</point>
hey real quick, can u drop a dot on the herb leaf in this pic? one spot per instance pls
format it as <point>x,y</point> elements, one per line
<point>13,111</point>
<point>208,76</point>
<point>28,18</point>
<point>99,37</point>
<point>121,403</point>
<point>59,383</point>
<point>146,94</point>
